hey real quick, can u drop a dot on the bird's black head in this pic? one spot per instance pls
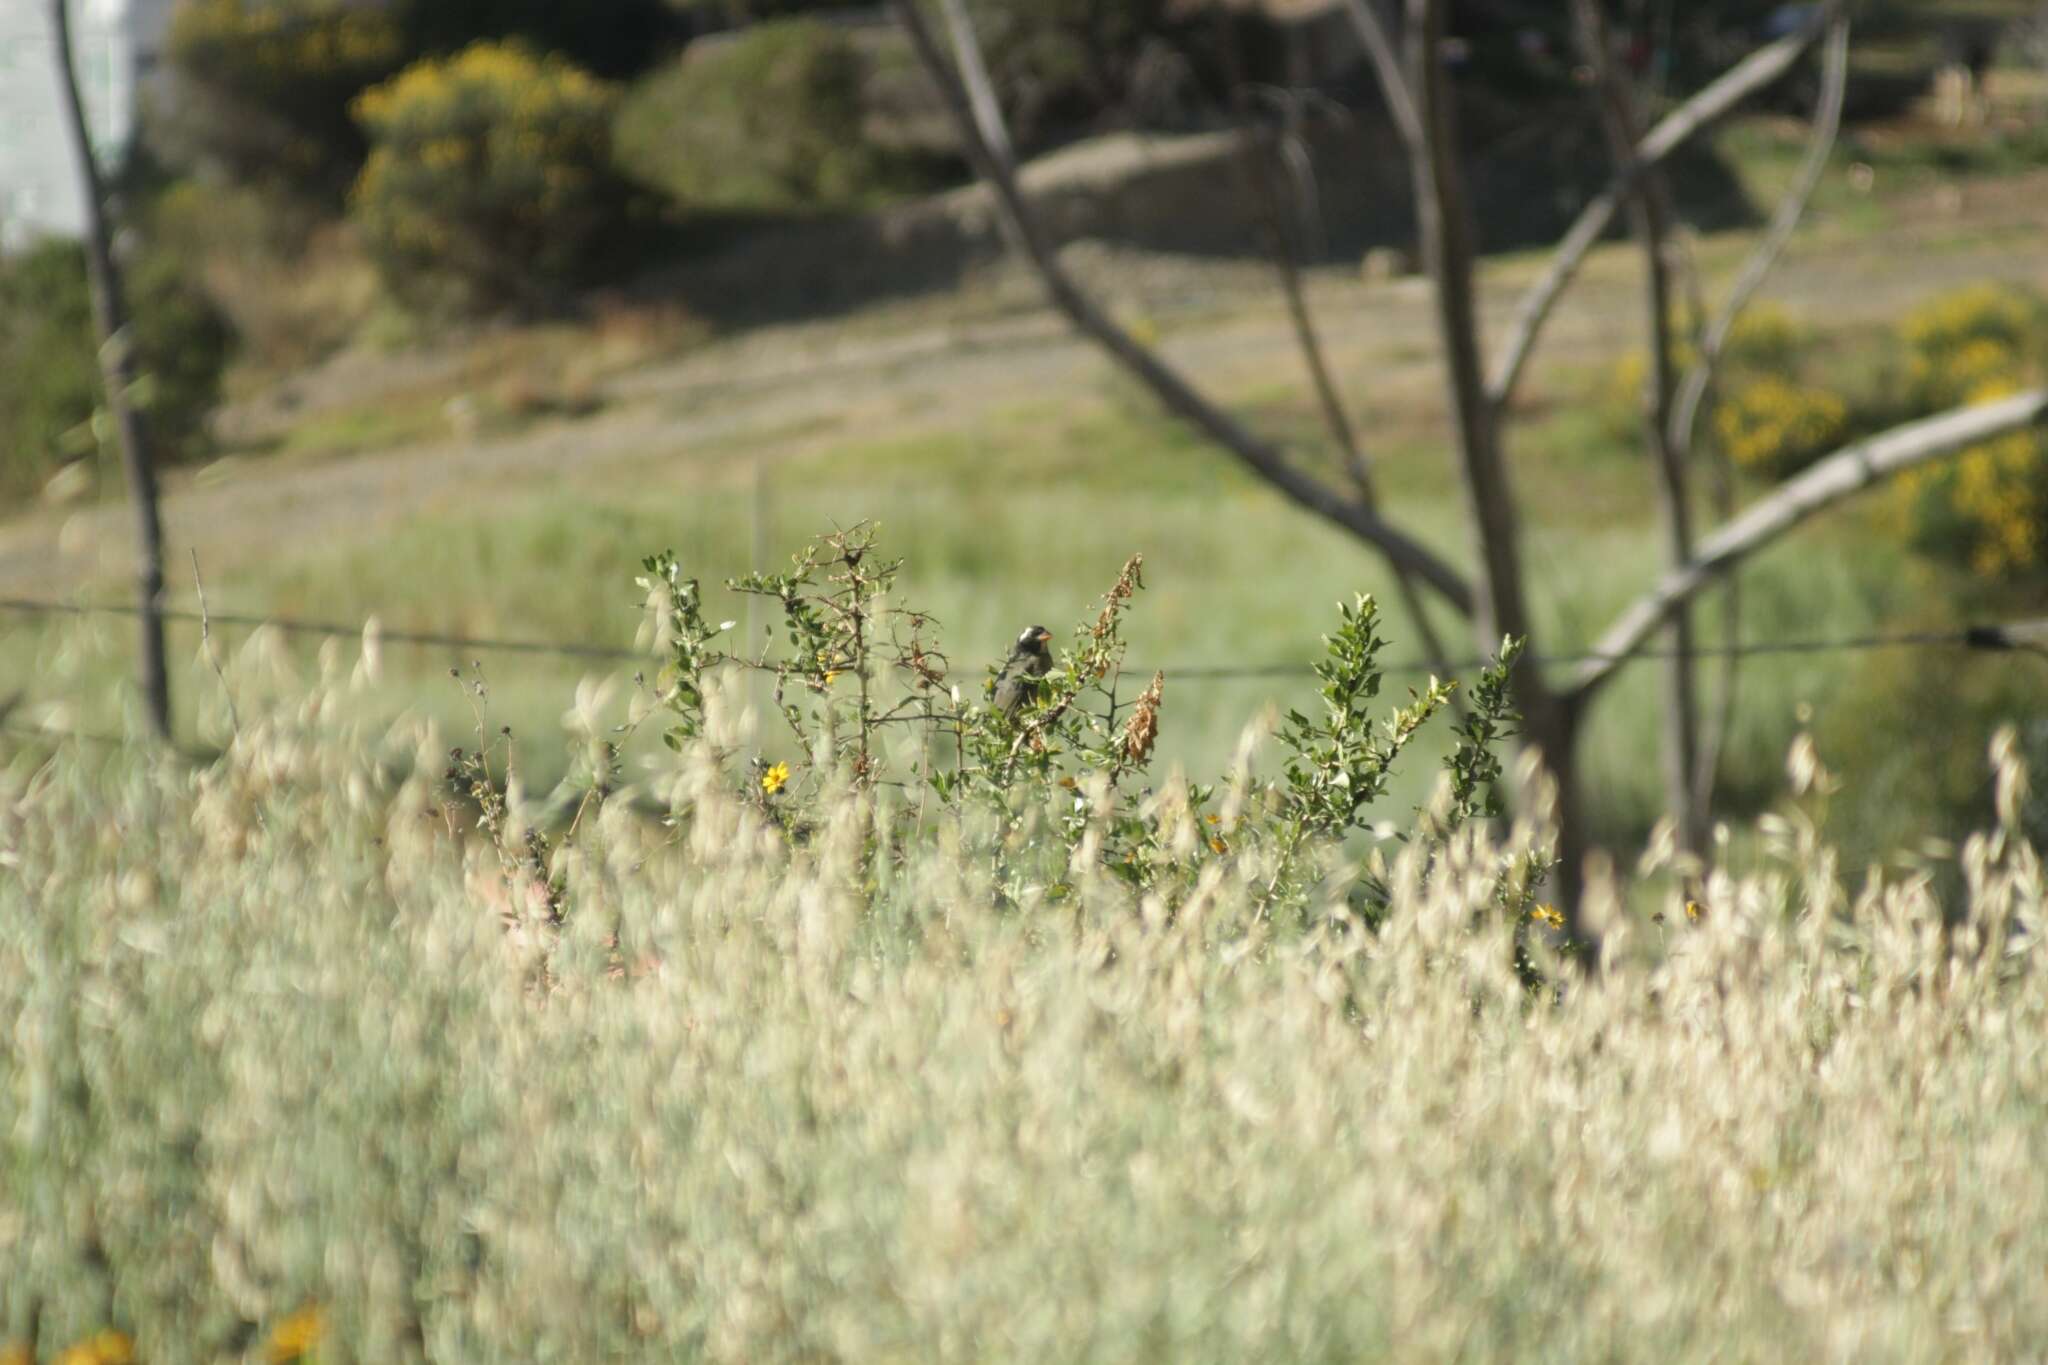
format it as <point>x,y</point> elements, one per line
<point>1033,640</point>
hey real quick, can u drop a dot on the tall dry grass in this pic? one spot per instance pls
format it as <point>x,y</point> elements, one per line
<point>278,1034</point>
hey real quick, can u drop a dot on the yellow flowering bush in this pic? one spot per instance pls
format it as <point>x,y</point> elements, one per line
<point>1999,313</point>
<point>296,1335</point>
<point>489,179</point>
<point>1986,508</point>
<point>1766,341</point>
<point>104,1347</point>
<point>1774,427</point>
<point>1963,342</point>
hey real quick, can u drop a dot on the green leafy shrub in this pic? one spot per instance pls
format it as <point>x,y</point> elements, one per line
<point>768,121</point>
<point>488,181</point>
<point>858,682</point>
<point>49,367</point>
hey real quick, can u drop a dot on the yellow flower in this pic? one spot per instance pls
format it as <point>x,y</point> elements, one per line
<point>1213,819</point>
<point>1216,844</point>
<point>1547,914</point>
<point>773,780</point>
<point>1776,428</point>
<point>1693,909</point>
<point>832,675</point>
<point>105,1347</point>
<point>296,1335</point>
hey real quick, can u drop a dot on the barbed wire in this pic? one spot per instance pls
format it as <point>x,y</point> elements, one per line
<point>2027,635</point>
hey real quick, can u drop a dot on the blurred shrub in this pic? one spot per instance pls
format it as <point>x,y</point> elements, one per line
<point>1772,427</point>
<point>488,180</point>
<point>735,13</point>
<point>1059,64</point>
<point>613,38</point>
<point>49,368</point>
<point>1764,338</point>
<point>771,120</point>
<point>265,86</point>
<point>293,289</point>
<point>1987,508</point>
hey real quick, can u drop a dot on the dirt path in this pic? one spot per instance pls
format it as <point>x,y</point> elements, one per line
<point>772,390</point>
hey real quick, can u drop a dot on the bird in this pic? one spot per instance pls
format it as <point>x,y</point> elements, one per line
<point>1028,661</point>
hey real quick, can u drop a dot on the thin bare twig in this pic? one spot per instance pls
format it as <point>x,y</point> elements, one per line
<point>1386,64</point>
<point>1287,266</point>
<point>1784,222</point>
<point>1841,475</point>
<point>206,644</point>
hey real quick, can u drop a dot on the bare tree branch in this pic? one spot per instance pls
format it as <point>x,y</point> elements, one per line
<point>118,375</point>
<point>1262,459</point>
<point>1259,152</point>
<point>1847,472</point>
<point>1386,64</point>
<point>1827,123</point>
<point>1747,76</point>
<point>981,91</point>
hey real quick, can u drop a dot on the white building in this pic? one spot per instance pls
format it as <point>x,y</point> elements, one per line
<point>115,44</point>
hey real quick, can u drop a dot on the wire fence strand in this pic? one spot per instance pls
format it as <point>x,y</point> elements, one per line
<point>2029,635</point>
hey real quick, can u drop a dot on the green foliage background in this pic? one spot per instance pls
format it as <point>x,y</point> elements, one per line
<point>49,368</point>
<point>771,121</point>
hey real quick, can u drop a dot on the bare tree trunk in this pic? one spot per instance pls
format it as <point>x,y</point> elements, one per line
<point>118,374</point>
<point>1650,220</point>
<point>1444,226</point>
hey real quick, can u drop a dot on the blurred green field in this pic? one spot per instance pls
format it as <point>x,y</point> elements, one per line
<point>1018,504</point>
<point>1026,520</point>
